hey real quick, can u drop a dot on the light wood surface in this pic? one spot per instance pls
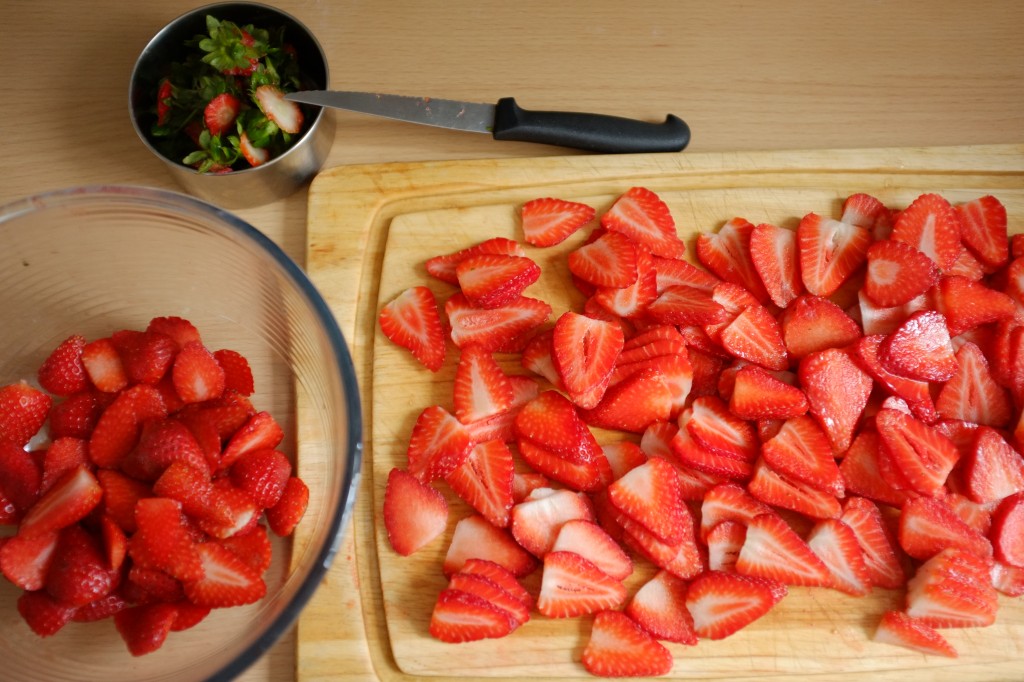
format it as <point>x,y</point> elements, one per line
<point>376,224</point>
<point>745,76</point>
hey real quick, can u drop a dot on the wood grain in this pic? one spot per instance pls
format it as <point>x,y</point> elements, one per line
<point>397,214</point>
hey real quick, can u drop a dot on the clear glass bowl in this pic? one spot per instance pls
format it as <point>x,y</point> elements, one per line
<point>96,259</point>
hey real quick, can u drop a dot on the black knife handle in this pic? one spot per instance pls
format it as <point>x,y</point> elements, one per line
<point>592,132</point>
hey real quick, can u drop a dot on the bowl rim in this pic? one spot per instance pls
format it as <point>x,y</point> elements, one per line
<point>168,28</point>
<point>353,409</point>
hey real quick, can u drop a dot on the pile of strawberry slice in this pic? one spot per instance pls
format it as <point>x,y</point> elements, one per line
<point>139,482</point>
<point>837,406</point>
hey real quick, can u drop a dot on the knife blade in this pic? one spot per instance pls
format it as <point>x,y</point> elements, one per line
<point>506,120</point>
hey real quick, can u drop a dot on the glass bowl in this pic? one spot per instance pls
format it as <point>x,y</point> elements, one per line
<point>94,260</point>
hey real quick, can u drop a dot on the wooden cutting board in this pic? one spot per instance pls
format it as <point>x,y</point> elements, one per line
<point>371,227</point>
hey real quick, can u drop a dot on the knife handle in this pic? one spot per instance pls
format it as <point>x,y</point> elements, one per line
<point>592,132</point>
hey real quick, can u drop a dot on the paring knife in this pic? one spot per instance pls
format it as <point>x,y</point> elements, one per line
<point>506,120</point>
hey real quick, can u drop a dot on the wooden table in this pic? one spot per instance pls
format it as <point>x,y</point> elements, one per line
<point>745,76</point>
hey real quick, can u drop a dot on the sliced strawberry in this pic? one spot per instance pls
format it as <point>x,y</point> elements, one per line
<point>226,580</point>
<point>830,251</point>
<point>237,372</point>
<point>118,428</point>
<point>983,230</point>
<point>262,474</point>
<point>723,603</point>
<point>477,538</point>
<point>220,113</point>
<point>178,328</point>
<point>773,252</point>
<point>624,456</point>
<point>491,592</point>
<point>675,271</point>
<point>923,456</point>
<point>641,215</point>
<point>63,373</point>
<point>162,441</point>
<point>927,526</point>
<point>897,273</point>
<point>69,500</point>
<point>676,374</point>
<point>953,589</point>
<point>812,323</point>
<point>773,550</point>
<point>20,476</point>
<point>42,613</point>
<point>256,156</point>
<point>685,305</point>
<point>779,490</point>
<point>492,329</point>
<point>443,267</point>
<point>79,572</point>
<point>863,210</point>
<point>801,451</point>
<point>103,365</point>
<point>464,617</point>
<point>629,302</point>
<point>634,403</point>
<point>494,280</point>
<point>837,390</point>
<point>836,544</point>
<point>260,432</point>
<point>920,348</point>
<point>120,495</point>
<point>548,221</point>
<point>757,394</point>
<point>286,114</point>
<point>500,576</point>
<point>162,540</point>
<point>572,586</point>
<point>411,320</point>
<point>754,335</point>
<point>100,609</point>
<point>619,647</point>
<point>728,502</point>
<point>584,352</point>
<point>608,261</point>
<point>992,469</point>
<point>901,630</point>
<point>438,445</point>
<point>25,559</point>
<point>23,411</point>
<point>916,393</point>
<point>289,510</point>
<point>146,356</point>
<point>535,521</point>
<point>75,417</point>
<point>552,422</point>
<point>966,304</point>
<point>931,226</point>
<point>884,568</point>
<point>727,253</point>
<point>713,427</point>
<point>659,607</point>
<point>1008,531</point>
<point>972,393</point>
<point>588,476</point>
<point>485,479</point>
<point>594,544</point>
<point>414,513</point>
<point>649,494</point>
<point>197,375</point>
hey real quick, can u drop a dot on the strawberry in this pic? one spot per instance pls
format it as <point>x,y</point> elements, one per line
<point>500,576</point>
<point>649,494</point>
<point>728,502</point>
<point>897,273</point>
<point>899,629</point>
<point>573,586</point>
<point>20,476</point>
<point>226,580</point>
<point>411,320</point>
<point>178,328</point>
<point>62,373</point>
<point>619,647</point>
<point>983,230</point>
<point>44,614</point>
<point>884,568</point>
<point>801,451</point>
<point>920,348</point>
<point>641,215</point>
<point>289,510</point>
<point>491,592</point>
<point>953,589</point>
<point>915,392</point>
<point>118,428</point>
<point>146,356</point>
<point>812,323</point>
<point>492,329</point>
<point>23,410</point>
<point>754,335</point>
<point>773,550</point>
<point>115,542</point>
<point>163,98</point>
<point>63,455</point>
<point>162,441</point>
<point>286,114</point>
<point>26,559</point>
<point>75,417</point>
<point>674,271</point>
<point>836,544</point>
<point>757,394</point>
<point>966,304</point>
<point>684,305</point>
<point>923,456</point>
<point>260,432</point>
<point>535,521</point>
<point>414,512</point>
<point>548,221</point>
<point>634,403</point>
<point>837,390</point>
<point>727,253</point>
<point>78,572</point>
<point>863,210</point>
<point>724,541</point>
<point>584,351</point>
<point>1008,531</point>
<point>103,366</point>
<point>476,538</point>
<point>629,302</point>
<point>69,500</point>
<point>594,544</point>
<point>715,428</point>
<point>237,372</point>
<point>162,541</point>
<point>927,526</point>
<point>682,559</point>
<point>773,253</point>
<point>146,585</point>
<point>723,603</point>
<point>624,456</point>
<point>931,226</point>
<point>220,113</point>
<point>233,511</point>
<point>1008,580</point>
<point>709,464</point>
<point>779,490</point>
<point>444,267</point>
<point>463,617</point>
<point>485,480</point>
<point>861,470</point>
<point>262,474</point>
<point>439,443</point>
<point>253,548</point>
<point>830,251</point>
<point>552,422</point>
<point>120,494</point>
<point>256,156</point>
<point>972,393</point>
<point>589,475</point>
<point>100,609</point>
<point>659,608</point>
<point>608,261</point>
<point>197,375</point>
<point>494,280</point>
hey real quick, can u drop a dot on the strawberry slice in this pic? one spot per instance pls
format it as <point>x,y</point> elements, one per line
<point>773,252</point>
<point>476,538</point>
<point>899,629</point>
<point>481,388</point>
<point>584,351</point>
<point>103,366</point>
<point>634,403</point>
<point>714,427</point>
<point>259,432</point>
<point>836,544</point>
<point>494,328</point>
<point>23,410</point>
<point>624,456</point>
<point>883,565</point>
<point>757,394</point>
<point>286,114</point>
<point>63,373</point>
<point>162,540</point>
<point>991,470</point>
<point>916,393</point>
<point>444,267</point>
<point>162,441</point>
<point>220,113</point>
<point>680,304</point>
<point>927,526</point>
<point>966,304</point>
<point>464,617</point>
<point>256,156</point>
<point>572,586</point>
<point>837,390</point>
<point>728,502</point>
<point>118,428</point>
<point>500,576</point>
<point>146,356</point>
<point>773,550</point>
<point>897,273</point>
<point>659,607</point>
<point>144,628</point>
<point>864,210</point>
<point>548,221</point>
<point>1008,531</point>
<point>551,422</point>
<point>931,226</point>
<point>178,328</point>
<point>587,476</point>
<point>721,604</point>
<point>920,348</point>
<point>414,512</point>
<point>812,323</point>
<point>674,271</point>
<point>536,521</point>
<point>438,445</point>
<point>25,559</point>
<point>641,215</point>
<point>484,480</point>
<point>78,572</point>
<point>594,544</point>
<point>492,593</point>
<point>44,615</point>
<point>284,516</point>
<point>682,559</point>
<point>983,230</point>
<point>619,647</point>
<point>237,372</point>
<point>779,490</point>
<point>75,416</point>
<point>972,394</point>
<point>262,474</point>
<point>69,500</point>
<point>953,589</point>
<point>649,494</point>
<point>830,251</point>
<point>923,456</point>
<point>631,301</point>
<point>862,471</point>
<point>20,476</point>
<point>608,261</point>
<point>728,254</point>
<point>754,335</point>
<point>494,280</point>
<point>724,541</point>
<point>801,451</point>
<point>226,580</point>
<point>411,320</point>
